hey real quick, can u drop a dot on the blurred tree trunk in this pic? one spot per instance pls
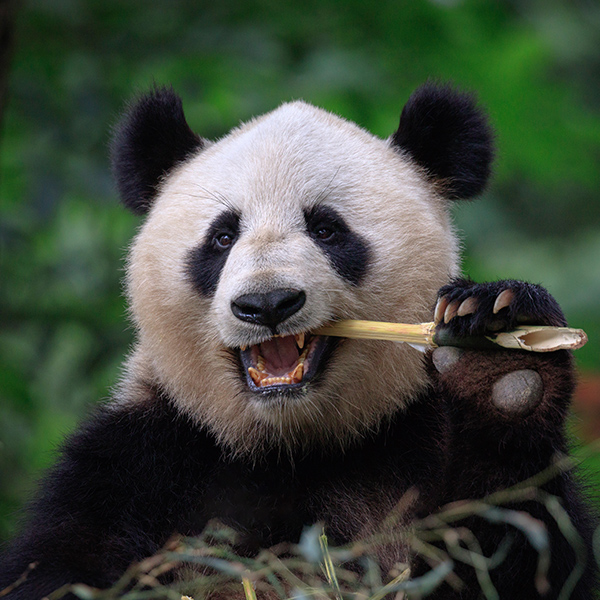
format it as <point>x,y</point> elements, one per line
<point>8,10</point>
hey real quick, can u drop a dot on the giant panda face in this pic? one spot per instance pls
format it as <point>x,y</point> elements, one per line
<point>251,243</point>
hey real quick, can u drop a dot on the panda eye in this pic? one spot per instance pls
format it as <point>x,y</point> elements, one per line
<point>347,252</point>
<point>223,240</point>
<point>324,233</point>
<point>325,226</point>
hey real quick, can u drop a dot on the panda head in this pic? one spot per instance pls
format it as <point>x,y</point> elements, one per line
<point>289,222</point>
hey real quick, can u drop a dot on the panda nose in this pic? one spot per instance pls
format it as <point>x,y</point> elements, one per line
<point>268,309</point>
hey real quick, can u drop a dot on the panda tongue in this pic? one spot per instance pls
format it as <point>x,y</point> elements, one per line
<point>280,354</point>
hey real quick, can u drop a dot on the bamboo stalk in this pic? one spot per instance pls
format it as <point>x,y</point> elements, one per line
<point>249,592</point>
<point>535,338</point>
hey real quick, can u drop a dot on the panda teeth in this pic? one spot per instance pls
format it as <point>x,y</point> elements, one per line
<point>257,376</point>
<point>263,380</point>
<point>298,372</point>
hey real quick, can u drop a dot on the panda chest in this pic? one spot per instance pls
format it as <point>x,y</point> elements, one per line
<point>262,507</point>
<point>267,506</point>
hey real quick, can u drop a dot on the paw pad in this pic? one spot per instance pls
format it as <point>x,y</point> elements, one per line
<point>518,393</point>
<point>445,357</point>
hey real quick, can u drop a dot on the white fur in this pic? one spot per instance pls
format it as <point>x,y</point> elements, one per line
<point>268,170</point>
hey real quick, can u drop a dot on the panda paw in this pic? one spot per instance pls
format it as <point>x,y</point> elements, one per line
<point>516,393</point>
<point>513,383</point>
<point>465,308</point>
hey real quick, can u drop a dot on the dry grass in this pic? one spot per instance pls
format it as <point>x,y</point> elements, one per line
<point>209,565</point>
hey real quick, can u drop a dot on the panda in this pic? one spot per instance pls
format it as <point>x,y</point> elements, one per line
<point>232,408</point>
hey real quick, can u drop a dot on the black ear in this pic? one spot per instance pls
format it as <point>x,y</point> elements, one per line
<point>151,138</point>
<point>449,136</point>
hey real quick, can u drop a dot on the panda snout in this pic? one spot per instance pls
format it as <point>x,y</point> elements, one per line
<point>268,309</point>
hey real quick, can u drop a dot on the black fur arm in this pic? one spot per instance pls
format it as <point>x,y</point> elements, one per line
<point>512,404</point>
<point>115,497</point>
<point>506,413</point>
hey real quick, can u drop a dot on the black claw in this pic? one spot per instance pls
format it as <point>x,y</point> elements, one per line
<point>529,304</point>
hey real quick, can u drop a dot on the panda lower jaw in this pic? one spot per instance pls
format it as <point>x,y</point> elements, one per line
<point>285,363</point>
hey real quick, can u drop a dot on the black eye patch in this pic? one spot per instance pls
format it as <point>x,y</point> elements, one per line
<point>205,263</point>
<point>347,251</point>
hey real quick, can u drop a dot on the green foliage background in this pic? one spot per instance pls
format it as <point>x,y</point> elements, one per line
<point>535,65</point>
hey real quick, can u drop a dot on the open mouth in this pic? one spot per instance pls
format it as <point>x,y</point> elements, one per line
<point>285,361</point>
